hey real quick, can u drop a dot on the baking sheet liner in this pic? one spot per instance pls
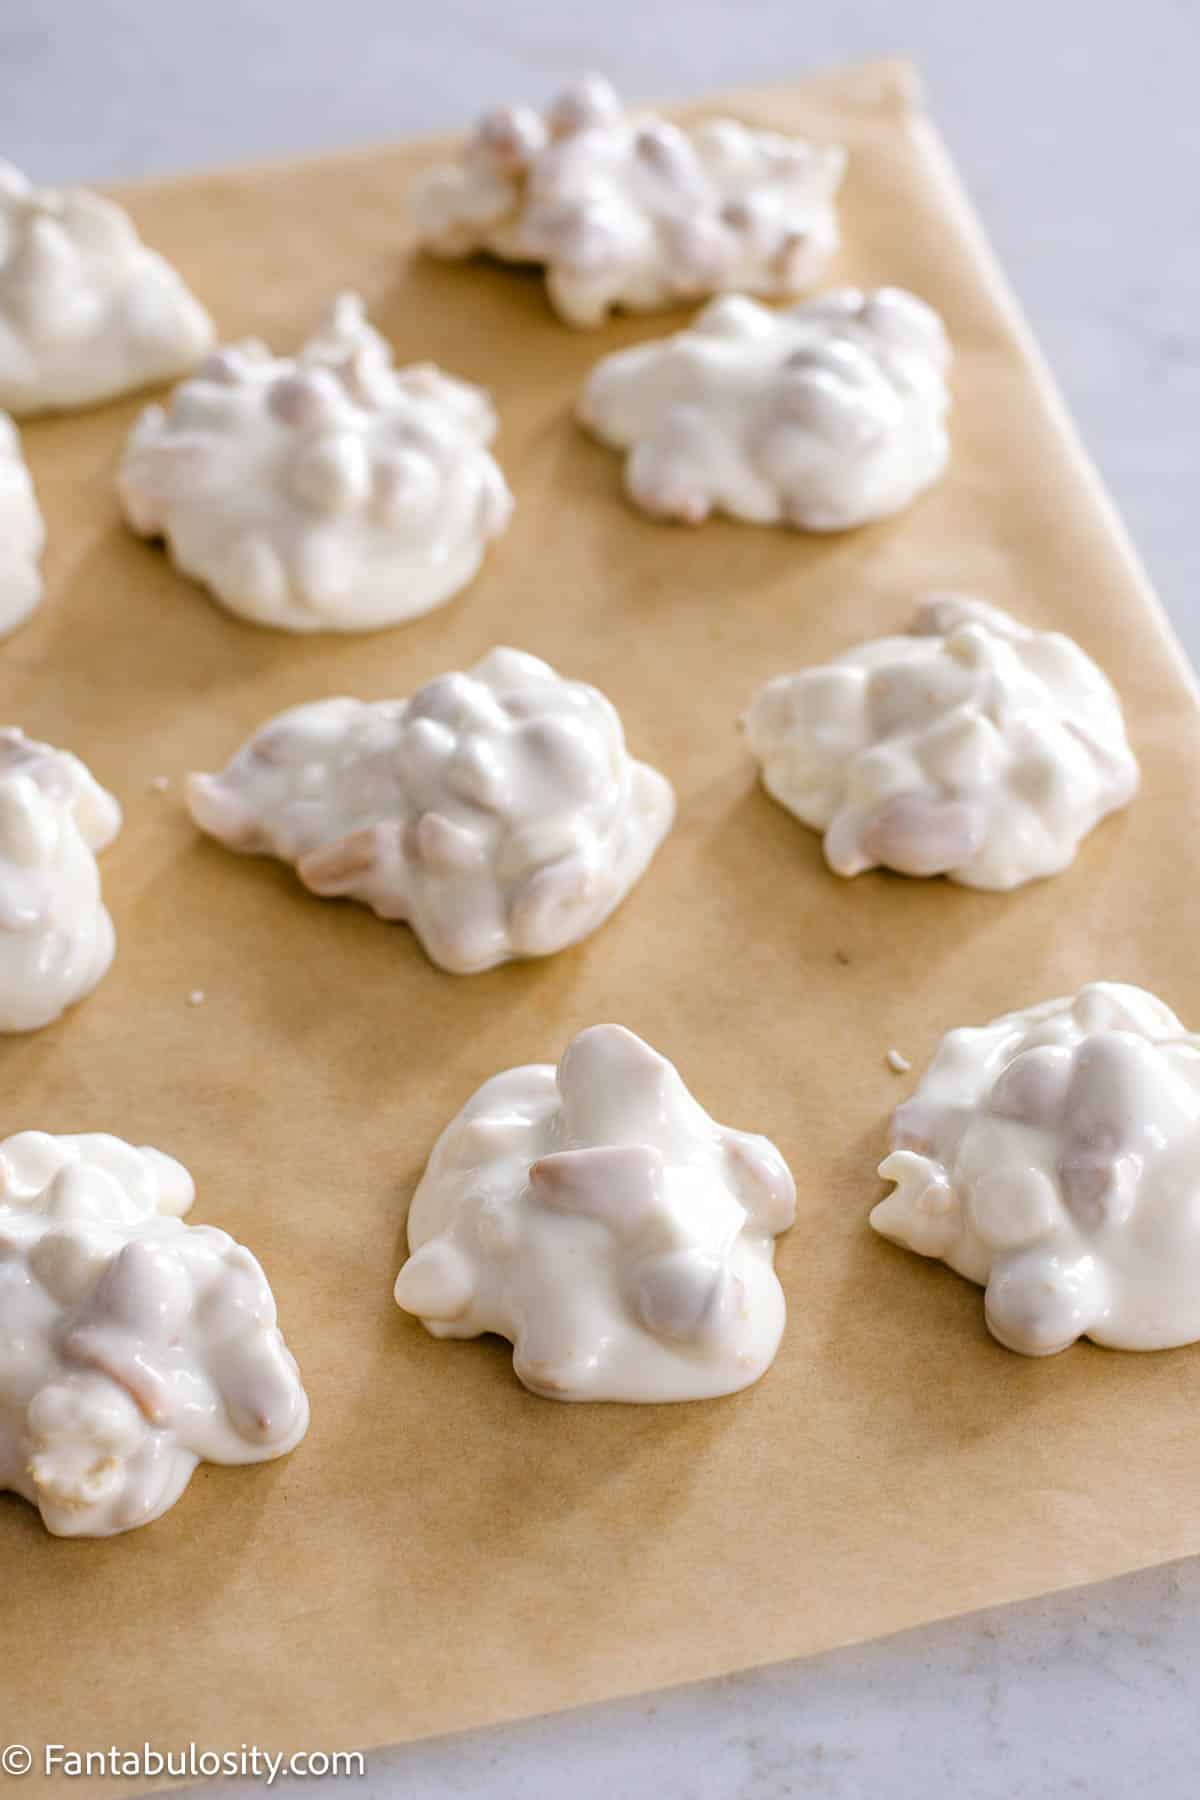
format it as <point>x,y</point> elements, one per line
<point>444,1549</point>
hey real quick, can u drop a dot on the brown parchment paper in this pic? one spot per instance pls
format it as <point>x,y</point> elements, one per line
<point>445,1549</point>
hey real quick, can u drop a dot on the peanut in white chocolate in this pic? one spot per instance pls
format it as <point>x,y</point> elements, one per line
<point>56,935</point>
<point>973,747</point>
<point>497,810</point>
<point>822,416</point>
<point>326,491</point>
<point>22,534</point>
<point>86,310</point>
<point>633,212</point>
<point>599,1218</point>
<point>1053,1157</point>
<point>135,1346</point>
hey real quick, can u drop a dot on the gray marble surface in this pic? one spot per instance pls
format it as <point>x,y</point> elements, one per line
<point>1076,126</point>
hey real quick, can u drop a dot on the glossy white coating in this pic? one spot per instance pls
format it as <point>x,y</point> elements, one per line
<point>1054,1158</point>
<point>821,416</point>
<point>597,1217</point>
<point>497,811</point>
<point>56,937</point>
<point>132,1346</point>
<point>22,533</point>
<point>973,747</point>
<point>630,211</point>
<point>87,312</point>
<point>327,491</point>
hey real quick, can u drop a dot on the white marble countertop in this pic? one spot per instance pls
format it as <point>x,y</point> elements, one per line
<point>1075,125</point>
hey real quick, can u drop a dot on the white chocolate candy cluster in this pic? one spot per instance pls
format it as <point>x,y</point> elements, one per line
<point>633,212</point>
<point>600,1219</point>
<point>56,937</point>
<point>973,748</point>
<point>823,416</point>
<point>133,1346</point>
<point>497,811</point>
<point>22,534</point>
<point>323,492</point>
<point>1054,1158</point>
<point>86,310</point>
